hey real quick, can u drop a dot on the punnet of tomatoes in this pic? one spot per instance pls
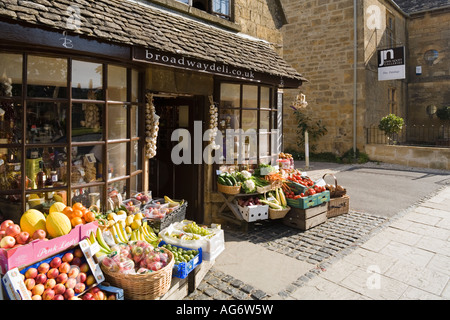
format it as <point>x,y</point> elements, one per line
<point>298,178</point>
<point>309,192</point>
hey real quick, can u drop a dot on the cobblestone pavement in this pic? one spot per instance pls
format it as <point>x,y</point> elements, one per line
<point>321,246</point>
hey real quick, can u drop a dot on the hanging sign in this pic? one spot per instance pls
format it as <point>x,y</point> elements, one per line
<point>391,64</point>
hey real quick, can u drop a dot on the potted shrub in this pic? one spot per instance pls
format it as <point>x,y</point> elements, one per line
<point>391,125</point>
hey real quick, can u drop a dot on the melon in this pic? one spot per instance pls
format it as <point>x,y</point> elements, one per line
<point>57,224</point>
<point>32,220</point>
<point>57,206</point>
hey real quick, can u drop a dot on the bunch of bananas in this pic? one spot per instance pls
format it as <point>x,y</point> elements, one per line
<point>97,237</point>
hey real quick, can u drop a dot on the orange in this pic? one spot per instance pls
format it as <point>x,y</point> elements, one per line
<point>68,211</point>
<point>89,216</point>
<point>84,210</point>
<point>76,221</point>
<point>77,214</point>
<point>77,206</point>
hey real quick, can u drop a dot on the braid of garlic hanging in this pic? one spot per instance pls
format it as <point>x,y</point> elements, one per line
<point>151,127</point>
<point>213,123</point>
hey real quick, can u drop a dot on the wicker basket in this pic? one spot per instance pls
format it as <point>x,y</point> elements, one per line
<point>338,206</point>
<point>336,193</point>
<point>228,189</point>
<point>143,286</point>
<point>278,213</point>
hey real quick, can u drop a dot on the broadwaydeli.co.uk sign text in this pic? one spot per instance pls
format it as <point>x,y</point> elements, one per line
<point>391,64</point>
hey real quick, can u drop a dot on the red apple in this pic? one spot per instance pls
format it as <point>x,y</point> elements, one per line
<point>82,277</point>
<point>48,294</point>
<point>52,273</point>
<point>64,267</point>
<point>5,224</point>
<point>78,253</point>
<point>69,293</point>
<point>43,267</point>
<point>84,267</point>
<point>67,257</point>
<point>71,283</point>
<point>13,230</point>
<point>29,283</point>
<point>88,296</point>
<point>59,288</point>
<point>58,297</point>
<point>23,237</point>
<point>7,242</point>
<point>39,234</point>
<point>50,284</point>
<point>31,273</point>
<point>2,234</point>
<point>62,278</point>
<point>99,295</point>
<point>79,287</point>
<point>55,262</point>
<point>74,272</point>
<point>38,289</point>
<point>41,278</point>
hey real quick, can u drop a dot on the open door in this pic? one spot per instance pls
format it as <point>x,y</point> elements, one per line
<point>181,181</point>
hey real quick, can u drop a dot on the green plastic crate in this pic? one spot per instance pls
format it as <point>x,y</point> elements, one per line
<point>303,203</point>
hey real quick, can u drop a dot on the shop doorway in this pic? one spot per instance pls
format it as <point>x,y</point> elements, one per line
<point>181,181</point>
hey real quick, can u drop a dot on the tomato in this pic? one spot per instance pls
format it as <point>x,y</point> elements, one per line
<point>297,197</point>
<point>302,194</point>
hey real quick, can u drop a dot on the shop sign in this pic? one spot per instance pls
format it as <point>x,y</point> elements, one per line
<point>391,64</point>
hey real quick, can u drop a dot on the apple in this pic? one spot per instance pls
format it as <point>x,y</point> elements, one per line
<point>78,253</point>
<point>36,297</point>
<point>13,230</point>
<point>62,278</point>
<point>29,283</point>
<point>56,262</point>
<point>67,257</point>
<point>43,267</point>
<point>23,237</point>
<point>99,295</point>
<point>90,280</point>
<point>59,288</point>
<point>58,297</point>
<point>74,272</point>
<point>79,287</point>
<point>50,284</point>
<point>76,261</point>
<point>7,242</point>
<point>84,267</point>
<point>38,289</point>
<point>48,294</point>
<point>88,296</point>
<point>52,273</point>
<point>64,267</point>
<point>5,224</point>
<point>69,293</point>
<point>82,277</point>
<point>39,234</point>
<point>41,278</point>
<point>31,273</point>
<point>71,283</point>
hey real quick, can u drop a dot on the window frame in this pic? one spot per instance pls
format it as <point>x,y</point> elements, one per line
<point>209,8</point>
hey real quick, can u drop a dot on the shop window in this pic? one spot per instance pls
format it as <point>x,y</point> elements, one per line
<point>220,8</point>
<point>81,132</point>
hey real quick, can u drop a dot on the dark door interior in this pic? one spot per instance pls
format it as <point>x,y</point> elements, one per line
<point>181,181</point>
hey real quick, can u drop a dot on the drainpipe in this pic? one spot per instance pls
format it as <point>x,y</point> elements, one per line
<point>355,71</point>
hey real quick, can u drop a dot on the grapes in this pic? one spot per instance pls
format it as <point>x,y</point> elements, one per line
<point>180,254</point>
<point>196,229</point>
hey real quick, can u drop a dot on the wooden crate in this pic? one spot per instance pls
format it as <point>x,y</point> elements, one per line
<point>305,219</point>
<point>338,206</point>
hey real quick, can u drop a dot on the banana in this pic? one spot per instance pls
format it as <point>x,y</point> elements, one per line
<point>133,236</point>
<point>119,233</point>
<point>101,241</point>
<point>150,235</point>
<point>168,200</point>
<point>114,234</point>
<point>150,230</point>
<point>91,238</point>
<point>122,231</point>
<point>140,235</point>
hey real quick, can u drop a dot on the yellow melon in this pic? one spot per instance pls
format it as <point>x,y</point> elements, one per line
<point>58,224</point>
<point>57,207</point>
<point>32,220</point>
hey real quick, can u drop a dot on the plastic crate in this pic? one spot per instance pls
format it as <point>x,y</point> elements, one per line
<point>302,203</point>
<point>322,197</point>
<point>182,269</point>
<point>177,215</point>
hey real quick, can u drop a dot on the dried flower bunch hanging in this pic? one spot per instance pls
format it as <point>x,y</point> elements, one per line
<point>151,127</point>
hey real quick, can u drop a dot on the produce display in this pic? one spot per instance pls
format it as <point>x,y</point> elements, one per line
<point>228,179</point>
<point>179,254</point>
<point>96,293</point>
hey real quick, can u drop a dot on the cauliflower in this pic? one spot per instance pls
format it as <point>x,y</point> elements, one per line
<point>249,185</point>
<point>246,174</point>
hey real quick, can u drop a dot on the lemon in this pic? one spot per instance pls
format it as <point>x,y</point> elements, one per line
<point>112,216</point>
<point>57,207</point>
<point>129,220</point>
<point>135,224</point>
<point>138,216</point>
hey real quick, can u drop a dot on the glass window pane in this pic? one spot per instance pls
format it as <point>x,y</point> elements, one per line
<point>10,74</point>
<point>10,169</point>
<point>11,114</point>
<point>46,77</point>
<point>249,119</point>
<point>221,6</point>
<point>87,164</point>
<point>230,95</point>
<point>46,167</point>
<point>265,97</point>
<point>117,187</point>
<point>134,121</point>
<point>88,196</point>
<point>117,121</point>
<point>264,120</point>
<point>136,185</point>
<point>264,145</point>
<point>46,122</point>
<point>117,83</point>
<point>134,86</point>
<point>135,156</point>
<point>117,156</point>
<point>87,121</point>
<point>87,80</point>
<point>228,119</point>
<point>274,120</point>
<point>249,96</point>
